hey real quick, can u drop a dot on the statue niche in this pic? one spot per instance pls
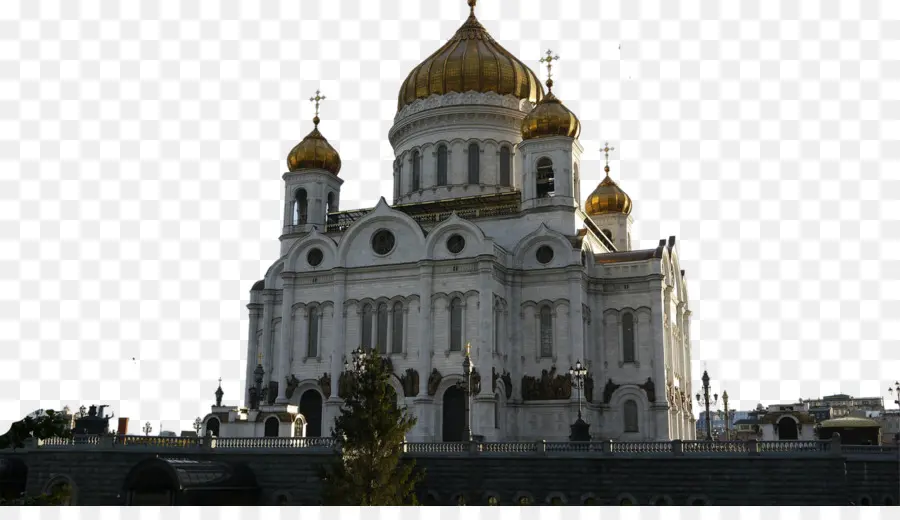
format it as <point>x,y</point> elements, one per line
<point>650,389</point>
<point>433,381</point>
<point>292,384</point>
<point>325,384</point>
<point>550,386</point>
<point>273,393</point>
<point>410,383</point>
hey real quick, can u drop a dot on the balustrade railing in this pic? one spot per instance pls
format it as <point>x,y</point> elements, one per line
<point>599,448</point>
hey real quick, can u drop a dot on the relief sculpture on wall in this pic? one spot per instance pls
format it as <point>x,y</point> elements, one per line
<point>410,383</point>
<point>550,386</point>
<point>589,389</point>
<point>325,384</point>
<point>433,381</point>
<point>292,384</point>
<point>650,389</point>
<point>505,378</point>
<point>608,391</point>
<point>476,382</point>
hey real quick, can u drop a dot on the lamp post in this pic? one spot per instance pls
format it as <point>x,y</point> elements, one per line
<point>357,363</point>
<point>895,391</point>
<point>580,429</point>
<point>147,428</point>
<point>468,366</point>
<point>198,425</point>
<point>728,415</point>
<point>704,400</point>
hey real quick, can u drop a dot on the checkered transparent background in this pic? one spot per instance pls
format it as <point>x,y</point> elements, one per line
<point>142,146</point>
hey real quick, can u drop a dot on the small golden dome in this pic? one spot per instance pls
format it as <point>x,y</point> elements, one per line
<point>314,152</point>
<point>471,61</point>
<point>608,198</point>
<point>550,118</point>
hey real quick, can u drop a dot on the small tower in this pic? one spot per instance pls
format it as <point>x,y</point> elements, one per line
<point>550,152</point>
<point>610,209</point>
<point>312,185</point>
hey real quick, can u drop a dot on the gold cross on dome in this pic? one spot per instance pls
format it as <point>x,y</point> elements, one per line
<point>606,150</point>
<point>549,59</point>
<point>472,5</point>
<point>319,97</point>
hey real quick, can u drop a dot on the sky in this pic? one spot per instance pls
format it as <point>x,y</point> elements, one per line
<point>142,148</point>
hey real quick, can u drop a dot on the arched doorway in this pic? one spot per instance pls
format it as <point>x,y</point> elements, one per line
<point>13,477</point>
<point>454,414</point>
<point>311,408</point>
<point>787,429</point>
<point>212,426</point>
<point>271,427</point>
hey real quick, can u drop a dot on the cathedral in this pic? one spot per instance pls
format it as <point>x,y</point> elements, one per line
<point>487,252</point>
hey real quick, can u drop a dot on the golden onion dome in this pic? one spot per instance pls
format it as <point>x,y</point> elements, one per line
<point>314,153</point>
<point>550,118</point>
<point>471,61</point>
<point>608,198</point>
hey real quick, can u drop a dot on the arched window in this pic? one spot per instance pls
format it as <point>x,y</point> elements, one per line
<point>398,179</point>
<point>505,166</point>
<point>456,329</point>
<point>271,428</point>
<point>397,326</point>
<point>545,178</point>
<point>382,324</point>
<point>630,416</point>
<point>312,333</point>
<point>497,331</point>
<point>474,163</point>
<point>577,186</point>
<point>300,207</point>
<point>212,426</point>
<point>329,205</point>
<point>367,326</point>
<point>546,325</point>
<point>442,165</point>
<point>628,338</point>
<point>416,171</point>
<point>298,428</point>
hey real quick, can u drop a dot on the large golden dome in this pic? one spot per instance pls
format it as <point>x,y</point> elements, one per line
<point>471,61</point>
<point>550,118</point>
<point>314,153</point>
<point>608,198</point>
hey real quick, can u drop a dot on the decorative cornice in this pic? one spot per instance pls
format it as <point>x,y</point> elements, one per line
<point>467,98</point>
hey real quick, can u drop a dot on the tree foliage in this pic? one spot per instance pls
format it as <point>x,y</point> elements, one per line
<point>44,426</point>
<point>59,496</point>
<point>371,430</point>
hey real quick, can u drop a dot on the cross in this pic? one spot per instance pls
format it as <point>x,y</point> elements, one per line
<point>606,150</point>
<point>259,357</point>
<point>549,59</point>
<point>220,381</point>
<point>317,99</point>
<point>472,6</point>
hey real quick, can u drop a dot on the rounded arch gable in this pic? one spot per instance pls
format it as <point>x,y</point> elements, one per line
<point>305,386</point>
<point>58,480</point>
<point>526,249</point>
<point>629,392</point>
<point>474,236</point>
<point>296,257</point>
<point>408,235</point>
<point>273,278</point>
<point>447,381</point>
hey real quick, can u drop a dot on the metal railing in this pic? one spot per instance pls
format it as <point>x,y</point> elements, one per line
<point>599,448</point>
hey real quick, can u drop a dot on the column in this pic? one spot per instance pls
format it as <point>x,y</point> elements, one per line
<point>515,336</point>
<point>338,329</point>
<point>485,328</point>
<point>268,312</point>
<point>426,333</point>
<point>389,348</point>
<point>283,369</point>
<point>252,348</point>
<point>576,317</point>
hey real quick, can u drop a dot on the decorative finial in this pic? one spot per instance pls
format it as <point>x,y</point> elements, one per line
<point>317,99</point>
<point>468,348</point>
<point>472,6</point>
<point>606,150</point>
<point>220,382</point>
<point>259,357</point>
<point>549,59</point>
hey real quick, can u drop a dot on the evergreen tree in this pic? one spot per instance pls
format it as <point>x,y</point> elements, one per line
<point>371,431</point>
<point>42,426</point>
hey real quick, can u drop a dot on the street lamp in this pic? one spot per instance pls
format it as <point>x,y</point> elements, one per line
<point>198,424</point>
<point>704,400</point>
<point>468,366</point>
<point>147,428</point>
<point>580,429</point>
<point>727,415</point>
<point>895,391</point>
<point>358,365</point>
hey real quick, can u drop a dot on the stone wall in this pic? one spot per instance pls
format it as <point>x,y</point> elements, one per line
<point>644,479</point>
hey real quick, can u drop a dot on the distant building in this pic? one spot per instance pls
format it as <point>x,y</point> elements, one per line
<point>843,405</point>
<point>785,422</point>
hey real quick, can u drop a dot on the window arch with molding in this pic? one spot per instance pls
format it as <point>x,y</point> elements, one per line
<point>367,317</point>
<point>456,325</point>
<point>301,207</point>
<point>312,332</point>
<point>505,166</point>
<point>381,332</point>
<point>442,161</point>
<point>416,171</point>
<point>474,163</point>
<point>628,338</point>
<point>630,419</point>
<point>64,487</point>
<point>545,330</point>
<point>397,329</point>
<point>545,181</point>
<point>213,426</point>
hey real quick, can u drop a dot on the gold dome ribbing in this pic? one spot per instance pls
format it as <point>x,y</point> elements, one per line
<point>471,61</point>
<point>550,118</point>
<point>608,198</point>
<point>314,152</point>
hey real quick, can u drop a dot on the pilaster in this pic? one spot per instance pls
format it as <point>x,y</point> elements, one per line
<point>269,296</point>
<point>339,329</point>
<point>256,311</point>
<point>426,332</point>
<point>284,350</point>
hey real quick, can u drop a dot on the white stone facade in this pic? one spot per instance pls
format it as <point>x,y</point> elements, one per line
<point>471,251</point>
